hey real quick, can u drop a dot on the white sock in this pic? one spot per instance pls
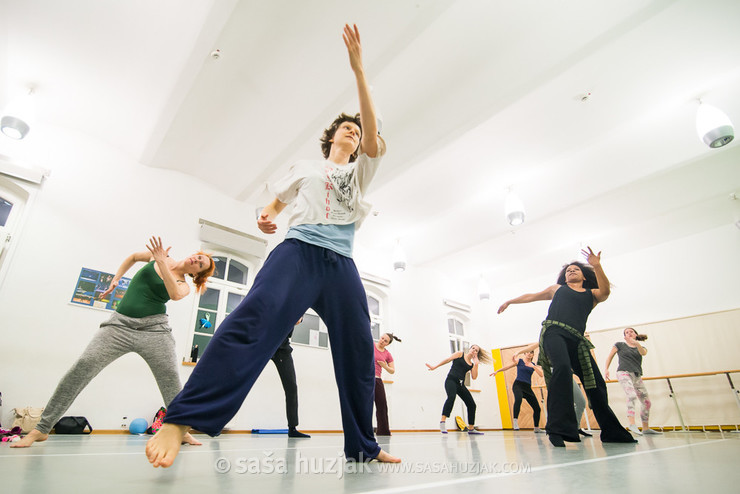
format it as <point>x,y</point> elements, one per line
<point>516,424</point>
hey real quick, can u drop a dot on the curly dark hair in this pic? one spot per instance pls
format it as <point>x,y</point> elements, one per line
<point>588,274</point>
<point>329,134</point>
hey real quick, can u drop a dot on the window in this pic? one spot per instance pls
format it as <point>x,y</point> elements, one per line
<point>458,341</point>
<point>376,320</point>
<point>225,290</point>
<point>15,197</point>
<point>311,331</point>
<point>456,329</point>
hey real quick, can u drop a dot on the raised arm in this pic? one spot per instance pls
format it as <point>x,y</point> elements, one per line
<point>369,142</point>
<point>502,369</point>
<point>609,361</point>
<point>602,293</point>
<point>545,294</point>
<point>445,361</point>
<point>269,213</point>
<point>538,370</point>
<point>176,289</point>
<point>526,349</point>
<point>474,370</point>
<point>125,266</point>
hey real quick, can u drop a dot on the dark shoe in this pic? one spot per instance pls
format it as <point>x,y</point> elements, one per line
<point>556,440</point>
<point>296,433</point>
<point>584,433</point>
<point>619,440</point>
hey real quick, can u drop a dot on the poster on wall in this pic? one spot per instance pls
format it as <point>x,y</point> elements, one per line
<point>90,286</point>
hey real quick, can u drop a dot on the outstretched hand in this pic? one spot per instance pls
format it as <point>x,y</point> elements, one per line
<point>351,37</point>
<point>430,367</point>
<point>158,252</point>
<point>110,289</point>
<point>265,225</point>
<point>503,307</point>
<point>593,259</point>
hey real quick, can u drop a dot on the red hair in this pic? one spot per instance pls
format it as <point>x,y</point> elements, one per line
<point>200,279</point>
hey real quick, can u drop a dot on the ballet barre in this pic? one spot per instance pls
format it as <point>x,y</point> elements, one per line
<point>672,392</point>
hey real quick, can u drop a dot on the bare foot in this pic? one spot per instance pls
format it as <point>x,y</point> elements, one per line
<point>386,458</point>
<point>188,439</point>
<point>30,438</point>
<point>162,449</point>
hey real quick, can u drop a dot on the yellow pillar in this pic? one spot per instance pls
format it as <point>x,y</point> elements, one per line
<point>502,393</point>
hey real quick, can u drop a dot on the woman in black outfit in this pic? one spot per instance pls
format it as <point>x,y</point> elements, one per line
<point>454,383</point>
<point>564,350</point>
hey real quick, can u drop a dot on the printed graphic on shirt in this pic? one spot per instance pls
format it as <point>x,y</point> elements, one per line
<point>341,182</point>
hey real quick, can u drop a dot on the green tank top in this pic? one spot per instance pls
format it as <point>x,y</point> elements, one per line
<point>146,294</point>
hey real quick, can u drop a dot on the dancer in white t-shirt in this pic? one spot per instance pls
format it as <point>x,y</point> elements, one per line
<point>312,268</point>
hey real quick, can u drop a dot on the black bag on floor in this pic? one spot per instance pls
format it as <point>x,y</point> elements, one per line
<point>72,425</point>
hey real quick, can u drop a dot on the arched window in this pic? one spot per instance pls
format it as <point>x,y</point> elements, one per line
<point>225,290</point>
<point>456,332</point>
<point>311,331</point>
<point>15,195</point>
<point>377,307</point>
<point>458,340</point>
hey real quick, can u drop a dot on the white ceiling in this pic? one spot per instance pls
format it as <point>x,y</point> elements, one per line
<point>476,96</point>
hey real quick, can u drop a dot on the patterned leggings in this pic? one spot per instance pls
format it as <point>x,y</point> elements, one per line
<point>634,388</point>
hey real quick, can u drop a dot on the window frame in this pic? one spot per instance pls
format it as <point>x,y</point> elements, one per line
<point>224,287</point>
<point>461,341</point>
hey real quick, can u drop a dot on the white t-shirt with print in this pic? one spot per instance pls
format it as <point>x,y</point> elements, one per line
<point>323,192</point>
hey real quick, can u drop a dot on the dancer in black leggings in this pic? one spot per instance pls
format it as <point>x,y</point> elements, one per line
<point>522,387</point>
<point>283,360</point>
<point>564,350</point>
<point>454,384</point>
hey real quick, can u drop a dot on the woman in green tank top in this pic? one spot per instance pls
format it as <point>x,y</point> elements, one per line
<point>139,325</point>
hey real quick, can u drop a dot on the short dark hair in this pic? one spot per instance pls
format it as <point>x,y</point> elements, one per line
<point>588,274</point>
<point>329,134</point>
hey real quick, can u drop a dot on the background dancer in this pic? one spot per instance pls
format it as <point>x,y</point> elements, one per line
<point>455,383</point>
<point>138,325</point>
<point>383,360</point>
<point>283,360</point>
<point>629,374</point>
<point>522,387</point>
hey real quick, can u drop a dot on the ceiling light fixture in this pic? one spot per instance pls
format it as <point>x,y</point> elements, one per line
<point>484,290</point>
<point>713,126</point>
<point>514,209</point>
<point>16,118</point>
<point>399,258</point>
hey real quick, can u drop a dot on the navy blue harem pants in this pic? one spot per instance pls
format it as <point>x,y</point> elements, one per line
<point>295,276</point>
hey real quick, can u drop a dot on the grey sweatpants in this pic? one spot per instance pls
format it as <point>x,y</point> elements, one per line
<point>150,337</point>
